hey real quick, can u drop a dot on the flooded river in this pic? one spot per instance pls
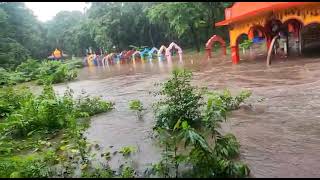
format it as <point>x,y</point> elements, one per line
<point>278,128</point>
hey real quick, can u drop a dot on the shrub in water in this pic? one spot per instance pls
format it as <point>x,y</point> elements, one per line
<point>55,72</point>
<point>184,118</point>
<point>29,69</point>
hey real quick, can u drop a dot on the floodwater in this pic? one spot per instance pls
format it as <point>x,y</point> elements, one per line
<point>278,128</point>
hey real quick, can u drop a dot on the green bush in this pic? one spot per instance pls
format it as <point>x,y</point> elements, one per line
<point>34,166</point>
<point>246,44</point>
<point>46,112</point>
<point>29,69</point>
<point>136,105</point>
<point>182,116</point>
<point>55,72</point>
<point>12,99</point>
<point>228,101</point>
<point>92,105</point>
<point>5,77</point>
<point>45,72</point>
<point>29,121</point>
<point>180,102</point>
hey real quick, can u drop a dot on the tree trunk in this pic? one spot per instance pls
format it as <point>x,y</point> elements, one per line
<point>196,38</point>
<point>150,36</point>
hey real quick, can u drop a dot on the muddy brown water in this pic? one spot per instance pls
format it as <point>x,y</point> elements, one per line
<point>278,128</point>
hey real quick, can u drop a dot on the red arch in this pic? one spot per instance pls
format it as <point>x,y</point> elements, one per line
<point>235,50</point>
<point>293,25</point>
<point>260,29</point>
<point>128,54</point>
<point>215,38</point>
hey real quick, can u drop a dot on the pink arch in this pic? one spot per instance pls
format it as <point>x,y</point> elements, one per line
<point>162,48</point>
<point>134,54</point>
<point>210,42</point>
<point>173,45</point>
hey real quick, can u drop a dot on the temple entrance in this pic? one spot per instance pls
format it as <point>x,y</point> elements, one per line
<point>258,37</point>
<point>279,32</point>
<point>293,27</point>
<point>310,40</point>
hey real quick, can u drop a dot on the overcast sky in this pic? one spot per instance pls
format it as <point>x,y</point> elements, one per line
<point>47,10</point>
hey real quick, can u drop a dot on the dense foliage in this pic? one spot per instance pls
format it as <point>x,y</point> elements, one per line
<point>29,124</point>
<point>105,25</point>
<point>43,72</point>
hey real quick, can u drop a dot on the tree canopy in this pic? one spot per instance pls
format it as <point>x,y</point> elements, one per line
<point>106,25</point>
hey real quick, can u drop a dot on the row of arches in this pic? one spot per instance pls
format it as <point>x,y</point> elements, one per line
<point>299,36</point>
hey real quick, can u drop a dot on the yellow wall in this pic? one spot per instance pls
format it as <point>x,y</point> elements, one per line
<point>306,14</point>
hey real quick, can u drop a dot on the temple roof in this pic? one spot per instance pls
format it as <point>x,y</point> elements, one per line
<point>243,10</point>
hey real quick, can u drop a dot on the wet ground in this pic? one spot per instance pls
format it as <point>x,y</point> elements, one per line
<point>278,128</point>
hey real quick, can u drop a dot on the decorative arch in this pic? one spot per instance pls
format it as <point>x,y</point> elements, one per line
<point>153,50</point>
<point>161,50</point>
<point>111,56</point>
<point>168,51</point>
<point>144,52</point>
<point>108,58</point>
<point>211,41</point>
<point>128,54</point>
<point>136,53</point>
<point>310,23</point>
<point>121,55</point>
<point>239,36</point>
<point>235,49</point>
<point>293,25</point>
<point>173,45</point>
<point>260,29</point>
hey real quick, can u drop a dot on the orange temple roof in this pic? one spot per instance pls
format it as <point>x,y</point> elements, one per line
<point>243,10</point>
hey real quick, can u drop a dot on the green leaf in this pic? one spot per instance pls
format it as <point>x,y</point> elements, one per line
<point>185,125</point>
<point>177,125</point>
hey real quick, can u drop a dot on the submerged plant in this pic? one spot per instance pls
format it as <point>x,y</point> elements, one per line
<point>136,105</point>
<point>127,150</point>
<point>55,72</point>
<point>184,121</point>
<point>92,105</point>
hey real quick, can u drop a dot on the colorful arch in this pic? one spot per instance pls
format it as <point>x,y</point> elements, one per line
<point>161,50</point>
<point>213,39</point>
<point>129,54</point>
<point>173,45</point>
<point>168,51</point>
<point>144,52</point>
<point>134,55</point>
<point>152,51</point>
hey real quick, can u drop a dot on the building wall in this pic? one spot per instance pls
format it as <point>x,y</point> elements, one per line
<point>305,14</point>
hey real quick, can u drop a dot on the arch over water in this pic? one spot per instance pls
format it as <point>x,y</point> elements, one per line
<point>211,41</point>
<point>161,50</point>
<point>136,53</point>
<point>144,52</point>
<point>152,51</point>
<point>171,46</point>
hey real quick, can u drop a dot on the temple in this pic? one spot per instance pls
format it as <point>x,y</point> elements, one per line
<point>265,19</point>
